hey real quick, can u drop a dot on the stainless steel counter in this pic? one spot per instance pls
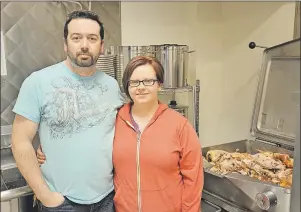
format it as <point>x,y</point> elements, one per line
<point>15,193</point>
<point>209,207</point>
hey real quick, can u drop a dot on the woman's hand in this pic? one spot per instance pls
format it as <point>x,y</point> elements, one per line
<point>40,155</point>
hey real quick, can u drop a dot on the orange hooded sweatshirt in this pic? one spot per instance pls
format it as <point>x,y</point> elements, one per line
<point>159,170</point>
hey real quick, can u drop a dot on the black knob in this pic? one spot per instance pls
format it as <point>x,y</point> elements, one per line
<point>173,103</point>
<point>252,45</point>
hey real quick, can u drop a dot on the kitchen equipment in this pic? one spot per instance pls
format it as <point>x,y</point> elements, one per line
<point>119,69</point>
<point>5,136</point>
<point>106,64</point>
<point>174,59</point>
<point>128,52</point>
<point>209,207</point>
<point>123,55</point>
<point>183,60</point>
<point>21,204</point>
<point>118,62</point>
<point>242,190</point>
<point>169,60</point>
<point>179,108</point>
<point>295,193</point>
<point>272,129</point>
<point>16,195</point>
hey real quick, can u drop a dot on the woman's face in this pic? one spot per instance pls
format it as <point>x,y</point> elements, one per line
<point>143,85</point>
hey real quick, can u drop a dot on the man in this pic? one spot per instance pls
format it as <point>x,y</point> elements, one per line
<point>73,107</point>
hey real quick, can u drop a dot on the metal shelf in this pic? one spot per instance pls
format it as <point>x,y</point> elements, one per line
<point>187,88</point>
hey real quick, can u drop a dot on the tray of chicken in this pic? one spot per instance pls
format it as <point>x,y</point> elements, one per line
<point>239,172</point>
<point>265,166</point>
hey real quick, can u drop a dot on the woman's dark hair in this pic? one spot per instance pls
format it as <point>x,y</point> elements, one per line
<point>85,15</point>
<point>139,61</point>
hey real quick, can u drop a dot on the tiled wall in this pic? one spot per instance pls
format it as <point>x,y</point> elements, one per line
<point>33,39</point>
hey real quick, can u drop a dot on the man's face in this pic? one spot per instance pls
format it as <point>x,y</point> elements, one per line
<point>83,45</point>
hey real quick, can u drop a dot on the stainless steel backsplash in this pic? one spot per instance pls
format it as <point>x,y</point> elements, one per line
<point>33,39</point>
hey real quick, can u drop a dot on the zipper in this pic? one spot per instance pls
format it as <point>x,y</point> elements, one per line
<point>138,171</point>
<point>137,165</point>
<point>139,134</point>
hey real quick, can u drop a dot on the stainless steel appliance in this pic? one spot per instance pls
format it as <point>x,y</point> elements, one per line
<point>123,55</point>
<point>168,56</point>
<point>173,57</point>
<point>209,207</point>
<point>16,195</point>
<point>295,193</point>
<point>273,129</point>
<point>182,109</point>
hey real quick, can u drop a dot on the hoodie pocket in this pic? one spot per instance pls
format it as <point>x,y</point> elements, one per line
<point>119,202</point>
<point>124,199</point>
<point>160,201</point>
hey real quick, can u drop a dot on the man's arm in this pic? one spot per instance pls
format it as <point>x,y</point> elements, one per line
<point>23,133</point>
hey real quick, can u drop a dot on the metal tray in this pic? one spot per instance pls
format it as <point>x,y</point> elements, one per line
<point>248,146</point>
<point>278,95</point>
<point>209,207</point>
<point>239,189</point>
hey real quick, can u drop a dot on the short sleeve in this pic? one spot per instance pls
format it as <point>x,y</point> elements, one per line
<point>27,104</point>
<point>120,98</point>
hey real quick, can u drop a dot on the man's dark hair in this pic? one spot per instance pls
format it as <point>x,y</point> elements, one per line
<point>85,15</point>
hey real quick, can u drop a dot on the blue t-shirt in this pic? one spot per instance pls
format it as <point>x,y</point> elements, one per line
<point>76,117</point>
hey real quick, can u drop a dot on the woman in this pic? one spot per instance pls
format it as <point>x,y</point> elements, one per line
<point>156,155</point>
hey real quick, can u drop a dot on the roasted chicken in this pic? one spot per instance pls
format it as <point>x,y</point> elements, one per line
<point>265,166</point>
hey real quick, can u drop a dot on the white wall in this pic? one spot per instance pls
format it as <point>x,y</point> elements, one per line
<point>149,23</point>
<point>266,23</point>
<point>208,32</point>
<point>220,33</point>
<point>153,22</point>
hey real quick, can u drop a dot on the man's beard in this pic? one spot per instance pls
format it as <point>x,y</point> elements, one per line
<point>78,62</point>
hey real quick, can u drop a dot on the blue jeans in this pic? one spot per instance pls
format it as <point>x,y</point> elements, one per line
<point>105,205</point>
